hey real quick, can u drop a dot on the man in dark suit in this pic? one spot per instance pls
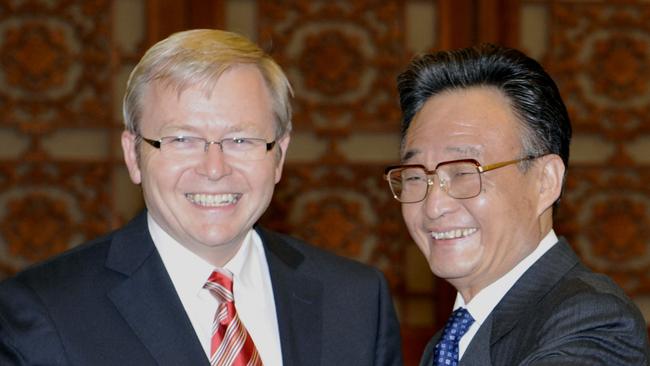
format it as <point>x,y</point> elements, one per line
<point>485,146</point>
<point>192,280</point>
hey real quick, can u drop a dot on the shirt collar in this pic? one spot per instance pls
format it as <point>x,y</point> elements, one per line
<point>487,299</point>
<point>187,270</point>
<point>245,271</point>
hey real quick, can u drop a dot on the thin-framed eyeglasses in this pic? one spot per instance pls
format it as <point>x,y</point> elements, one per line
<point>186,147</point>
<point>460,179</point>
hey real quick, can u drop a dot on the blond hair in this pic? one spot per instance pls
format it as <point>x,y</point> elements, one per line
<point>199,57</point>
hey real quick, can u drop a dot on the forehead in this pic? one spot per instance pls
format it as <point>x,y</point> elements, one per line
<point>239,97</point>
<point>471,122</point>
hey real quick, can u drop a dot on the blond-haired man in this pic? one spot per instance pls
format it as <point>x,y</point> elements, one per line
<point>193,280</point>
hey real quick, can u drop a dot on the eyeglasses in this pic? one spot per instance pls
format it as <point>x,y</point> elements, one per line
<point>188,147</point>
<point>458,178</point>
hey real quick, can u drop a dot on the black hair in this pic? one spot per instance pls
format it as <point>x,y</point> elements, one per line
<point>533,95</point>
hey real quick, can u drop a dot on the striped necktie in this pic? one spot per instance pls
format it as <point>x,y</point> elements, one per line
<point>231,345</point>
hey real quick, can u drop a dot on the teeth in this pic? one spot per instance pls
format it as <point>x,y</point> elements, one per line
<point>453,234</point>
<point>213,200</point>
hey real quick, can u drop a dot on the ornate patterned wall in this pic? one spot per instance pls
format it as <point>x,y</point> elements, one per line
<point>599,53</point>
<point>57,65</point>
<point>63,65</point>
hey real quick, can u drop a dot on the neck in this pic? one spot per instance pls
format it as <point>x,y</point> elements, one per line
<point>527,245</point>
<point>545,223</point>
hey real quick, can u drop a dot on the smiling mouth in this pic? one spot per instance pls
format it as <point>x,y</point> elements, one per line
<point>453,234</point>
<point>213,200</point>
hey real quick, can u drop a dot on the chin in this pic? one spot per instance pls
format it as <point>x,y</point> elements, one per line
<point>451,267</point>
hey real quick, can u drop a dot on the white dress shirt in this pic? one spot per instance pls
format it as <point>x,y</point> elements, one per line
<point>252,290</point>
<point>487,299</point>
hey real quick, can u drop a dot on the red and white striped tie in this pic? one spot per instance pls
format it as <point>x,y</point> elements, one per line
<point>231,344</point>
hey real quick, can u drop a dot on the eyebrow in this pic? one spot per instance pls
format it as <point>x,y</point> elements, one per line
<point>409,154</point>
<point>464,151</point>
<point>194,129</point>
<point>176,128</point>
<point>467,150</point>
<point>239,128</point>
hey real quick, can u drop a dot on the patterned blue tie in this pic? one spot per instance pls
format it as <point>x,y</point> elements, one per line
<point>446,351</point>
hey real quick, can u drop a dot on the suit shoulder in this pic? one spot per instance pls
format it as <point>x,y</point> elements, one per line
<point>582,282</point>
<point>584,295</point>
<point>317,259</point>
<point>590,314</point>
<point>76,262</point>
<point>600,295</point>
<point>560,276</point>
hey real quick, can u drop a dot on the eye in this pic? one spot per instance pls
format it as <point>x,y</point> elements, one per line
<point>413,176</point>
<point>241,141</point>
<point>184,142</point>
<point>180,139</point>
<point>241,144</point>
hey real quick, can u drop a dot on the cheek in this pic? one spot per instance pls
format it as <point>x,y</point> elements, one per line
<point>482,212</point>
<point>410,213</point>
<point>407,212</point>
<point>162,175</point>
<point>501,211</point>
<point>480,207</point>
<point>259,177</point>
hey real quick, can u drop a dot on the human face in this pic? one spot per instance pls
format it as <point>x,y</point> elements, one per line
<point>207,204</point>
<point>486,235</point>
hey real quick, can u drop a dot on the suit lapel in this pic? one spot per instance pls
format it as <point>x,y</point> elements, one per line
<point>148,301</point>
<point>531,287</point>
<point>427,355</point>
<point>478,350</point>
<point>298,302</point>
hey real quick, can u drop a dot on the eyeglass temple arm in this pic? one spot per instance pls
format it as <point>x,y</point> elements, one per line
<point>154,143</point>
<point>485,168</point>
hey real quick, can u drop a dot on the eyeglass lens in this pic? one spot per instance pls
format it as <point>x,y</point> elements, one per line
<point>193,147</point>
<point>459,180</point>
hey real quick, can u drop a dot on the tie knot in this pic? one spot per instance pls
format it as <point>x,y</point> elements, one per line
<point>220,285</point>
<point>457,325</point>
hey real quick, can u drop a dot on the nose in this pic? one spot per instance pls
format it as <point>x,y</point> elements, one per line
<point>213,164</point>
<point>438,203</point>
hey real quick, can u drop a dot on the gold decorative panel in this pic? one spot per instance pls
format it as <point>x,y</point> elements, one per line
<point>599,54</point>
<point>342,58</point>
<point>54,58</point>
<point>50,207</point>
<point>58,65</point>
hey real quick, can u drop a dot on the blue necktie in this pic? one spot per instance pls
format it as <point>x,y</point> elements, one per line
<point>446,351</point>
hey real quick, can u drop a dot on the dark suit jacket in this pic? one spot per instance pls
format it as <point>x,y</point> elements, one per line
<point>559,313</point>
<point>111,302</point>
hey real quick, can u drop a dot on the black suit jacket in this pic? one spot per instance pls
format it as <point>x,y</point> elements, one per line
<point>111,302</point>
<point>559,313</point>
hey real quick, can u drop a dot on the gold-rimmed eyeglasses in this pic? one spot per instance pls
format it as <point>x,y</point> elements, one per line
<point>458,178</point>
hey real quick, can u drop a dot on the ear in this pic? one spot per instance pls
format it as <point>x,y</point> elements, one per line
<point>550,181</point>
<point>131,156</point>
<point>283,145</point>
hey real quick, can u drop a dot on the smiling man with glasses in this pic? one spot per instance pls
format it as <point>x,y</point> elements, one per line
<point>193,280</point>
<point>484,152</point>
